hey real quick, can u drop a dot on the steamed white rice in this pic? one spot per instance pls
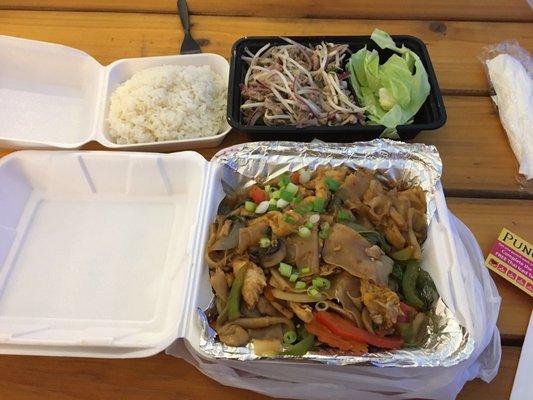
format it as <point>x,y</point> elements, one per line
<point>171,102</point>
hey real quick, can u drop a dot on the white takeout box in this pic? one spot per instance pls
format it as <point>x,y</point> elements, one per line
<point>101,253</point>
<point>53,96</point>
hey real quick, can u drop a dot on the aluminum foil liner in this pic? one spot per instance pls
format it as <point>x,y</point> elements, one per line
<point>446,342</point>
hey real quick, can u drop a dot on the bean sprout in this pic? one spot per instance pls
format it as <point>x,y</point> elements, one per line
<point>297,85</point>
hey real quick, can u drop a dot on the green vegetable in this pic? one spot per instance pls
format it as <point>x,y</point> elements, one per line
<point>324,234</point>
<point>302,347</point>
<point>275,194</point>
<point>250,206</point>
<point>344,215</point>
<point>289,337</point>
<point>397,271</point>
<point>403,254</point>
<point>319,204</point>
<point>372,236</point>
<point>309,225</point>
<point>293,277</point>
<point>312,291</point>
<point>409,279</point>
<point>305,270</point>
<point>304,209</point>
<point>285,269</point>
<point>234,298</point>
<point>427,290</point>
<point>287,218</point>
<point>286,195</point>
<point>264,242</point>
<point>332,184</point>
<point>321,283</point>
<point>392,92</point>
<point>304,231</point>
<point>291,187</point>
<point>299,285</point>
<point>284,180</point>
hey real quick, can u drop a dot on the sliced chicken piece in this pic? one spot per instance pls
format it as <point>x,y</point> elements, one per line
<point>304,252</point>
<point>377,201</point>
<point>250,235</point>
<point>393,234</point>
<point>302,311</point>
<point>254,284</point>
<point>279,224</point>
<point>346,248</point>
<point>233,335</point>
<point>382,304</point>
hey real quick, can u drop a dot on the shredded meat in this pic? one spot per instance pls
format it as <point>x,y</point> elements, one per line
<point>254,283</point>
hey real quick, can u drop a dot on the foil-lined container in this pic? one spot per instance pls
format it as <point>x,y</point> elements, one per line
<point>445,342</point>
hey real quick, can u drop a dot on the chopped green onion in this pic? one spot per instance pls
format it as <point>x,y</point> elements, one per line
<point>305,176</point>
<point>296,200</point>
<point>325,226</point>
<point>289,337</point>
<point>314,218</point>
<point>304,209</point>
<point>264,242</point>
<point>344,215</point>
<point>293,277</point>
<point>312,291</point>
<point>299,285</point>
<point>321,283</point>
<point>291,187</point>
<point>332,184</point>
<point>286,195</point>
<point>309,225</point>
<point>324,234</point>
<point>282,203</point>
<point>275,194</point>
<point>287,218</point>
<point>249,206</point>
<point>321,306</point>
<point>285,269</point>
<point>319,204</point>
<point>262,207</point>
<point>305,270</point>
<point>284,180</point>
<point>304,231</point>
<point>268,188</point>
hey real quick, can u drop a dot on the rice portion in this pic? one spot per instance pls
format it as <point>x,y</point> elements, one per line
<point>170,102</point>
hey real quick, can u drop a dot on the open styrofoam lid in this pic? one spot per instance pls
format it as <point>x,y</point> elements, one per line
<point>54,96</point>
<point>95,250</point>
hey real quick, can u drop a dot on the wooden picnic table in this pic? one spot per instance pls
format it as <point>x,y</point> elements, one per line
<point>480,171</point>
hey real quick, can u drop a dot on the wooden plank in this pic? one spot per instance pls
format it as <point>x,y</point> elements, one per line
<point>476,156</point>
<point>486,218</point>
<point>454,46</point>
<point>472,10</point>
<point>161,378</point>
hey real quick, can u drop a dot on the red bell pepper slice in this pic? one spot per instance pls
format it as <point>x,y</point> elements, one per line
<point>326,336</point>
<point>346,329</point>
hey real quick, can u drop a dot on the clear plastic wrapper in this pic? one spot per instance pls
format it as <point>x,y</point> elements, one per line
<point>509,69</point>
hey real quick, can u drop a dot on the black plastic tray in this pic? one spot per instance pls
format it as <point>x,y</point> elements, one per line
<point>432,114</point>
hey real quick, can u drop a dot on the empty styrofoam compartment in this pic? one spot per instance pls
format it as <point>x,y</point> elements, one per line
<point>54,96</point>
<point>96,250</point>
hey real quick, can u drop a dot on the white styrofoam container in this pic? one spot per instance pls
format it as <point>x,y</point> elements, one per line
<point>53,96</point>
<point>102,253</point>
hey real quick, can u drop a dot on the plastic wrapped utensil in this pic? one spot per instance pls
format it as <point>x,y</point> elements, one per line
<point>510,71</point>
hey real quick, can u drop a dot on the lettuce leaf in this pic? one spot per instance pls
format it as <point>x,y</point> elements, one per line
<point>392,92</point>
